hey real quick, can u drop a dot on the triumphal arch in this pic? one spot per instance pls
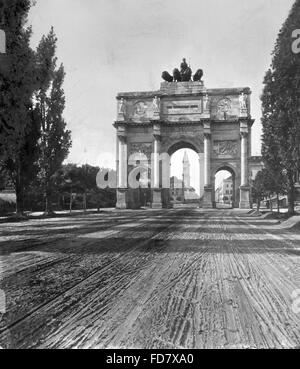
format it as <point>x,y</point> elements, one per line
<point>183,113</point>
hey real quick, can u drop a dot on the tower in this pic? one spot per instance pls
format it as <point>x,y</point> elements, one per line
<point>186,171</point>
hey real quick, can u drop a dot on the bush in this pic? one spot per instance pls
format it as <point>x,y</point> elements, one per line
<point>7,204</point>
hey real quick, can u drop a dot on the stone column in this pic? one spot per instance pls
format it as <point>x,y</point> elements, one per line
<point>156,190</point>
<point>244,159</point>
<point>207,199</point>
<point>122,190</point>
<point>122,162</point>
<point>245,188</point>
<point>117,162</point>
<point>207,148</point>
<point>165,171</point>
<point>156,179</point>
<point>201,174</point>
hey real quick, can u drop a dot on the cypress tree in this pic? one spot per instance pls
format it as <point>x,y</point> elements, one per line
<point>281,108</point>
<point>50,104</point>
<point>19,129</point>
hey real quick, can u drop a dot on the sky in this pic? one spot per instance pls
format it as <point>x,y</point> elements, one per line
<point>111,46</point>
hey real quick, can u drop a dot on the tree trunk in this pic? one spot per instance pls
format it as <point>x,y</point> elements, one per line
<point>71,200</point>
<point>48,205</point>
<point>84,202</point>
<point>258,205</point>
<point>19,192</point>
<point>271,204</point>
<point>278,205</point>
<point>291,194</point>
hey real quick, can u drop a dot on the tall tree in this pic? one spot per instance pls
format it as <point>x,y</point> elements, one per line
<point>258,189</point>
<point>87,176</point>
<point>19,129</point>
<point>275,178</point>
<point>281,101</point>
<point>50,104</point>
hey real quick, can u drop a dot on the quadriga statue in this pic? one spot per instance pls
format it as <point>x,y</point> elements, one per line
<point>182,75</point>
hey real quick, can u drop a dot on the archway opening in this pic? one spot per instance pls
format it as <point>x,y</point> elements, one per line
<point>186,187</point>
<point>225,188</point>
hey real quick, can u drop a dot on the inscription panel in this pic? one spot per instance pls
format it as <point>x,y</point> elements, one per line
<point>183,107</point>
<point>182,130</point>
<point>182,110</point>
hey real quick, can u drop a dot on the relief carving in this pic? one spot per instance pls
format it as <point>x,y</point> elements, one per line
<point>140,109</point>
<point>225,149</point>
<point>141,148</point>
<point>224,108</point>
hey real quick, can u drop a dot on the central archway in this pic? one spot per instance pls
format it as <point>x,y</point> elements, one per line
<point>187,186</point>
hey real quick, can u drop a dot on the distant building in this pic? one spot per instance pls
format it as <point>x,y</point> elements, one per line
<point>181,190</point>
<point>186,171</point>
<point>176,189</point>
<point>219,197</point>
<point>225,192</point>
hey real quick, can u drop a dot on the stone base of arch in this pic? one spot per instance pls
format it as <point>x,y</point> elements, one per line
<point>122,198</point>
<point>208,198</point>
<point>157,199</point>
<point>245,198</point>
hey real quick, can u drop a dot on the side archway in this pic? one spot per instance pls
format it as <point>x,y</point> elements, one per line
<point>226,192</point>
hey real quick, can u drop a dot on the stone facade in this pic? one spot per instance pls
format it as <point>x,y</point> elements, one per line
<point>213,122</point>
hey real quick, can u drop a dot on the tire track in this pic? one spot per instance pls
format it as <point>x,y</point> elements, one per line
<point>101,270</point>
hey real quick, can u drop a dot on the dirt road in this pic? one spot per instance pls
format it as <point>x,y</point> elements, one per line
<point>184,278</point>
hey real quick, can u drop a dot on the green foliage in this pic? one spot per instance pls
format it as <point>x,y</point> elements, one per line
<point>19,129</point>
<point>34,140</point>
<point>50,103</point>
<point>81,181</point>
<point>258,188</point>
<point>281,112</point>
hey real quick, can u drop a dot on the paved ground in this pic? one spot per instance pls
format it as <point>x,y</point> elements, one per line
<point>183,278</point>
